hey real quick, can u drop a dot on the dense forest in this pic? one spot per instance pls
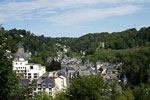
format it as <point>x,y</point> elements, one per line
<point>44,47</point>
<point>130,47</point>
<point>118,40</point>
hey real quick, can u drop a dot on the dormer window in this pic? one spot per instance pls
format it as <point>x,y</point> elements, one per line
<point>43,85</point>
<point>49,85</point>
<point>20,85</point>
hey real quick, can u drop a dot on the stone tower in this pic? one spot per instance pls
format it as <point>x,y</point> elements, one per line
<point>102,44</point>
<point>20,48</point>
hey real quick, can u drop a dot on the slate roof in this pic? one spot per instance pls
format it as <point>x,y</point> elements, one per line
<point>23,55</point>
<point>19,45</point>
<point>69,68</point>
<point>92,71</point>
<point>83,67</point>
<point>49,81</point>
<point>62,72</point>
<point>76,73</point>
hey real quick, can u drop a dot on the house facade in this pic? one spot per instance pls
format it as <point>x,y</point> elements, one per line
<point>28,70</point>
<point>47,85</point>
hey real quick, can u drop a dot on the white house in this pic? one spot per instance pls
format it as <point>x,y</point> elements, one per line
<point>61,83</point>
<point>29,70</point>
<point>65,50</point>
<point>49,85</point>
<point>99,65</point>
<point>46,85</point>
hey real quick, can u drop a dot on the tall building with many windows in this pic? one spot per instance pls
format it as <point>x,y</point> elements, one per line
<point>28,70</point>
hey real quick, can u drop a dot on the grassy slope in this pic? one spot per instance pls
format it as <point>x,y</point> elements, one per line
<point>109,55</point>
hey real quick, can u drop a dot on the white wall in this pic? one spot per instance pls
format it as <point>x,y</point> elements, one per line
<point>60,83</point>
<point>22,66</point>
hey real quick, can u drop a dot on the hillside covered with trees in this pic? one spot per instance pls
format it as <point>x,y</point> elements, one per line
<point>130,47</point>
<point>117,40</point>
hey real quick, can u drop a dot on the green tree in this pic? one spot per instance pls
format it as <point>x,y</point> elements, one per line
<point>87,88</point>
<point>61,96</point>
<point>42,96</point>
<point>142,92</point>
<point>23,93</point>
<point>55,65</point>
<point>128,93</point>
<point>8,80</point>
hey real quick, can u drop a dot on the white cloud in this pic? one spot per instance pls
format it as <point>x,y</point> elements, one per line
<point>88,15</point>
<point>59,10</point>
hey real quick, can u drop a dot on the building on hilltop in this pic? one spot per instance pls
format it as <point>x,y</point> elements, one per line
<point>21,52</point>
<point>102,44</point>
<point>20,48</point>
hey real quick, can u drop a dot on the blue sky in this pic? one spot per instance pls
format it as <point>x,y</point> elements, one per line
<point>74,18</point>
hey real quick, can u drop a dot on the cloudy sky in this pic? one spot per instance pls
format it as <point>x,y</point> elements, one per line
<point>74,18</point>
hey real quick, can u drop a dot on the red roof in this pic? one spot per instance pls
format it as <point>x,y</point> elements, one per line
<point>52,77</point>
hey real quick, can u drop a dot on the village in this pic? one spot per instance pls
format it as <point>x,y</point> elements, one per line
<point>36,77</point>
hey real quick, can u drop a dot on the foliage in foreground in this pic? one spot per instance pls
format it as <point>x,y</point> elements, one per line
<point>95,88</point>
<point>42,96</point>
<point>8,80</point>
<point>87,88</point>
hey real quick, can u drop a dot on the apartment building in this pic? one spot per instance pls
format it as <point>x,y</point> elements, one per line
<point>28,70</point>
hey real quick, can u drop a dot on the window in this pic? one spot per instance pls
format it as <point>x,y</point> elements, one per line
<point>39,85</point>
<point>29,75</point>
<point>49,85</point>
<point>35,75</point>
<point>20,85</point>
<point>20,63</point>
<point>43,85</point>
<point>31,67</point>
<point>44,89</point>
<point>50,93</point>
<point>34,89</point>
<point>16,63</point>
